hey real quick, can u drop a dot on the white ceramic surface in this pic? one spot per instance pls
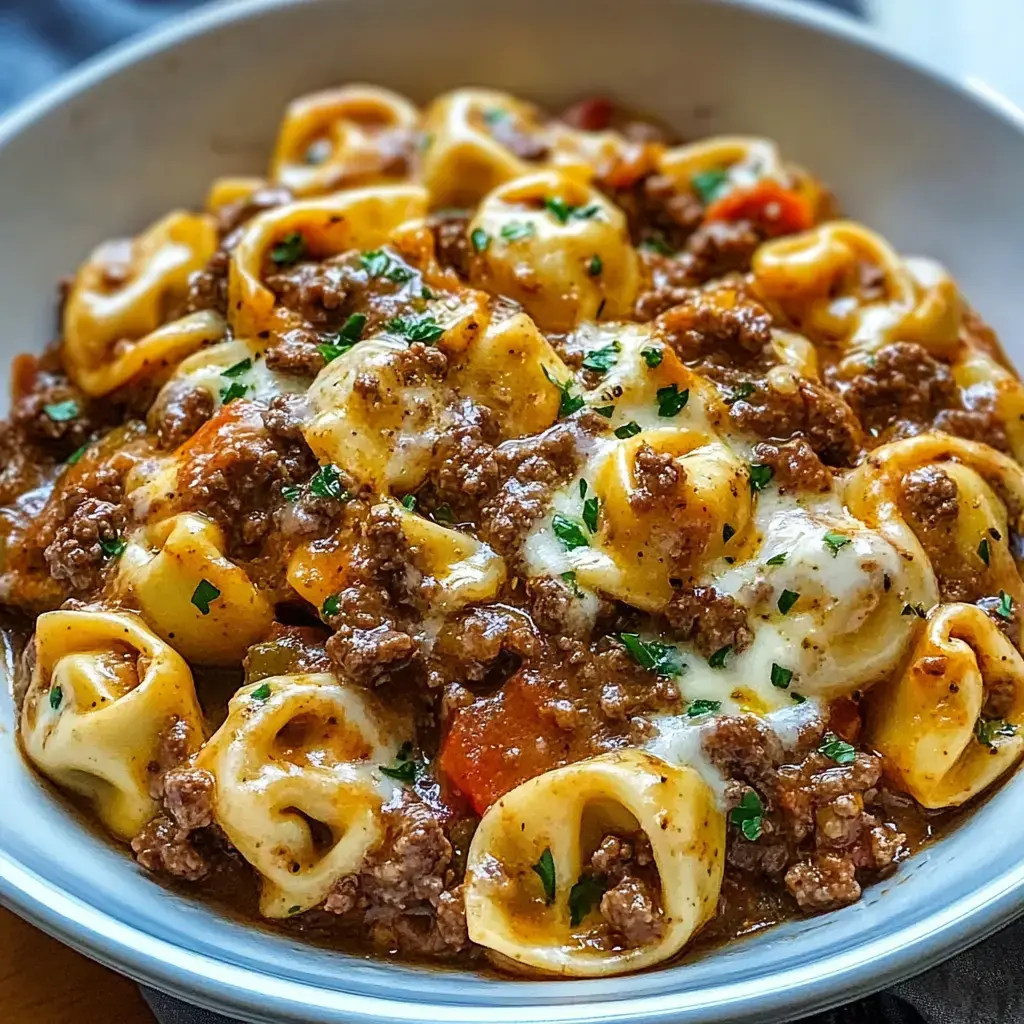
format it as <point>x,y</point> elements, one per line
<point>147,128</point>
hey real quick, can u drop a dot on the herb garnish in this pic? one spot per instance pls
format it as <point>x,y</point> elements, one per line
<point>603,359</point>
<point>747,815</point>
<point>261,693</point>
<point>204,593</point>
<point>595,266</point>
<point>708,184</point>
<point>760,476</point>
<point>378,263</point>
<point>741,391</point>
<point>568,532</point>
<point>702,707</point>
<point>568,403</point>
<point>591,509</point>
<point>514,230</point>
<point>983,552</point>
<point>56,696</point>
<point>330,607</point>
<point>289,250</point>
<point>652,356</point>
<point>326,483</point>
<point>61,412</point>
<point>232,391</point>
<point>480,239</point>
<point>418,327</point>
<point>114,546</point>
<point>717,660</point>
<point>836,749</point>
<point>405,769</point>
<point>77,454</point>
<point>777,559</point>
<point>987,729</point>
<point>787,599</point>
<point>630,429</point>
<point>584,896</point>
<point>664,659</point>
<point>409,502</point>
<point>834,541</point>
<point>1005,607</point>
<point>672,401</point>
<point>444,515</point>
<point>569,579</point>
<point>238,369</point>
<point>781,677</point>
<point>607,411</point>
<point>545,870</point>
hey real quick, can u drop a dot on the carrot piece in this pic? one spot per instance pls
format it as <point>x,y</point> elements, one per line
<point>775,209</point>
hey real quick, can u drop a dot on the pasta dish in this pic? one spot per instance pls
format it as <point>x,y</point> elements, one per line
<point>502,537</point>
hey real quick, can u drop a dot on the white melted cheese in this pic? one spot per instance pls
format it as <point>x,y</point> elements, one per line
<point>206,370</point>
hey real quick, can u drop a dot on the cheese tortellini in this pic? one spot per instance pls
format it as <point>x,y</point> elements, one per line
<point>561,816</point>
<point>104,690</point>
<point>299,792</point>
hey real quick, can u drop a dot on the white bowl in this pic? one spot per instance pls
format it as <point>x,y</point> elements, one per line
<point>148,127</point>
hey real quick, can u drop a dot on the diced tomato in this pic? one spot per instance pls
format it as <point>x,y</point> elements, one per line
<point>844,719</point>
<point>592,115</point>
<point>776,210</point>
<point>497,743</point>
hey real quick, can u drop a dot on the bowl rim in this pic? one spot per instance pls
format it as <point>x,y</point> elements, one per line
<point>226,988</point>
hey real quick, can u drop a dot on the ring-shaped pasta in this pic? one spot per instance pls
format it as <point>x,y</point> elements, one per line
<point>339,138</point>
<point>166,565</point>
<point>356,219</point>
<point>814,280</point>
<point>124,292</point>
<point>298,791</point>
<point>558,247</point>
<point>930,723</point>
<point>103,691</point>
<point>564,810</point>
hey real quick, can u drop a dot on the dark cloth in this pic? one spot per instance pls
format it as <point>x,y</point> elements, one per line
<point>41,38</point>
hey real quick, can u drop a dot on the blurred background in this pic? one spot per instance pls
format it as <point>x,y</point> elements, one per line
<point>975,40</point>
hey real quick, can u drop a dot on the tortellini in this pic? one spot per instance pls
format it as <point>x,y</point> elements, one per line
<point>953,722</point>
<point>104,689</point>
<point>558,247</point>
<point>343,137</point>
<point>299,792</point>
<point>169,567</point>
<point>566,812</point>
<point>842,282</point>
<point>125,291</point>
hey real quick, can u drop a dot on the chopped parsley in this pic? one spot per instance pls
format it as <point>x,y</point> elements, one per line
<point>591,510</point>
<point>584,896</point>
<point>405,769</point>
<point>56,696</point>
<point>836,749</point>
<point>652,356</point>
<point>378,263</point>
<point>746,816</point>
<point>444,515</point>
<point>350,332</point>
<point>261,693</point>
<point>114,546</point>
<point>740,392</point>
<point>238,369</point>
<point>568,532</point>
<point>797,698</point>
<point>983,552</point>
<point>708,184</point>
<point>777,559</point>
<point>835,541</point>
<point>204,593</point>
<point>61,412</point>
<point>914,609</point>
<point>672,401</point>
<point>480,239</point>
<point>760,476</point>
<point>409,502</point>
<point>330,351</point>
<point>781,677</point>
<point>76,455</point>
<point>607,411</point>
<point>1005,607</point>
<point>664,659</point>
<point>289,250</point>
<point>787,599</point>
<point>568,403</point>
<point>495,115</point>
<point>595,266</point>
<point>291,493</point>
<point>295,909</point>
<point>987,729</point>
<point>326,483</point>
<point>419,327</point>
<point>569,579</point>
<point>630,429</point>
<point>545,870</point>
<point>563,212</point>
<point>717,660</point>
<point>232,391</point>
<point>655,243</point>
<point>701,707</point>
<point>728,532</point>
<point>515,230</point>
<point>330,607</point>
<point>602,359</point>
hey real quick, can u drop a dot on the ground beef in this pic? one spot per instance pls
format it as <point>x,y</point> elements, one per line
<point>451,240</point>
<point>983,423</point>
<point>932,497</point>
<point>656,209</point>
<point>824,882</point>
<point>709,619</point>
<point>630,905</point>
<point>316,291</point>
<point>554,605</point>
<point>296,352</point>
<point>658,477</point>
<point>795,465</point>
<point>718,248</point>
<point>163,846</point>
<point>232,216</point>
<point>482,643</point>
<point>469,470</point>
<point>208,288</point>
<point>188,797</point>
<point>666,285</point>
<point>809,411</point>
<point>703,330</point>
<point>43,397</point>
<point>176,742</point>
<point>181,410</point>
<point>85,543</point>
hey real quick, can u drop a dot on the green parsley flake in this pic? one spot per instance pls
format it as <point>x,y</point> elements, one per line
<point>238,369</point>
<point>480,239</point>
<point>740,392</point>
<point>405,769</point>
<point>421,327</point>
<point>326,483</point>
<point>591,509</point>
<point>797,698</point>
<point>787,599</point>
<point>568,532</point>
<point>232,391</point>
<point>777,559</point>
<point>747,815</point>
<point>291,493</point>
<point>381,264</point>
<point>495,115</point>
<point>563,212</point>
<point>261,693</point>
<point>709,184</point>
<point>781,677</point>
<point>515,230</point>
<point>76,455</point>
<point>444,515</point>
<point>595,266</point>
<point>664,659</point>
<point>330,607</point>
<point>569,579</point>
<point>56,696</point>
<point>983,552</point>
<point>61,412</point>
<point>607,411</point>
<point>114,546</point>
<point>630,429</point>
<point>289,250</point>
<point>1005,607</point>
<point>915,609</point>
<point>568,403</point>
<point>409,502</point>
<point>672,401</point>
<point>987,729</point>
<point>652,356</point>
<point>701,707</point>
<point>203,595</point>
<point>717,660</point>
<point>330,351</point>
<point>836,749</point>
<point>602,359</point>
<point>295,909</point>
<point>583,488</point>
<point>584,896</point>
<point>760,476</point>
<point>835,541</point>
<point>655,243</point>
<point>545,870</point>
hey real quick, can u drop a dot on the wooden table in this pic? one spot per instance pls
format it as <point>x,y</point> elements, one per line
<point>43,982</point>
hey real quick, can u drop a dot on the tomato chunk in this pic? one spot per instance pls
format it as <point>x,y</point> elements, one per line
<point>775,209</point>
<point>592,115</point>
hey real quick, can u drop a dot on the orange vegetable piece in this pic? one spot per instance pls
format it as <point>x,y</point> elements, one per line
<point>775,209</point>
